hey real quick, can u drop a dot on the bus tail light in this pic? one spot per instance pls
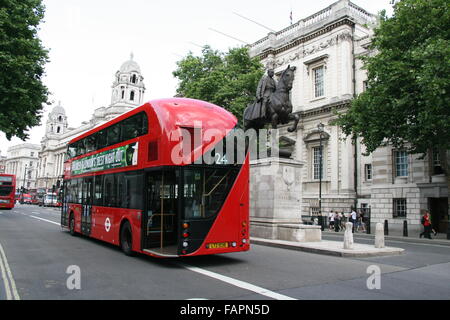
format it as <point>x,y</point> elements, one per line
<point>185,225</point>
<point>185,244</point>
<point>185,234</point>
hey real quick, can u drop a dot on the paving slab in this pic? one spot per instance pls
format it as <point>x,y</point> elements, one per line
<point>335,248</point>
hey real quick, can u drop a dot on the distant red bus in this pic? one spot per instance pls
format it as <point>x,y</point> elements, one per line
<point>7,190</point>
<point>124,183</point>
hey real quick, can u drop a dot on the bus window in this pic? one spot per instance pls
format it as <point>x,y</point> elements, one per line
<point>113,134</point>
<point>98,195</point>
<point>130,128</point>
<point>133,191</point>
<point>71,151</point>
<point>110,190</point>
<point>205,190</point>
<point>101,139</point>
<point>89,142</point>
<point>80,147</point>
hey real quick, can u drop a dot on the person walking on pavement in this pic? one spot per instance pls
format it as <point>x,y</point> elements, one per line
<point>337,222</point>
<point>426,222</point>
<point>331,218</point>
<point>353,219</point>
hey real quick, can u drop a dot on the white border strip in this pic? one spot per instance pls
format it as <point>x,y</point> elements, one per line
<point>11,292</point>
<point>239,283</point>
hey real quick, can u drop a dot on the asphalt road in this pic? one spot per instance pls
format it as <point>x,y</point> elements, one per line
<point>36,254</point>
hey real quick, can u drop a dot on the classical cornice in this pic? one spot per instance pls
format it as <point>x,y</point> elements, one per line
<point>307,37</point>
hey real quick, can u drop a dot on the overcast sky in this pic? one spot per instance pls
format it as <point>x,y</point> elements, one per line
<point>89,40</point>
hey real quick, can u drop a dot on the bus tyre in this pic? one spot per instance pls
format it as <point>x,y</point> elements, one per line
<point>126,239</point>
<point>72,225</point>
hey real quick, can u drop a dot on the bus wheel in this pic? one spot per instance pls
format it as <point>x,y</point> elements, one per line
<point>126,239</point>
<point>72,225</point>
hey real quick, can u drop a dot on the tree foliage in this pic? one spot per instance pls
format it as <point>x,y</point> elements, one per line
<point>407,103</point>
<point>22,60</point>
<point>225,79</point>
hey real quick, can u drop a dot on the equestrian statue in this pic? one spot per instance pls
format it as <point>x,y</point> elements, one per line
<point>272,104</point>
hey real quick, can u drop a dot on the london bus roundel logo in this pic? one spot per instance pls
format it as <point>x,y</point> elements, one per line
<point>107,224</point>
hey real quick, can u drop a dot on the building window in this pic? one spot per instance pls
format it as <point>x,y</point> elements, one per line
<point>32,154</point>
<point>368,171</point>
<point>436,162</point>
<point>132,95</point>
<point>399,208</point>
<point>317,168</point>
<point>401,163</point>
<point>365,85</point>
<point>133,79</point>
<point>318,81</point>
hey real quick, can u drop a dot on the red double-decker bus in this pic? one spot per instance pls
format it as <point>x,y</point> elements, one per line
<point>7,190</point>
<point>160,180</point>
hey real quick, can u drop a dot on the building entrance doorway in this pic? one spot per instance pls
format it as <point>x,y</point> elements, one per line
<point>439,213</point>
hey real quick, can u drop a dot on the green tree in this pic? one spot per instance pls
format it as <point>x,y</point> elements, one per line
<point>225,79</point>
<point>22,60</point>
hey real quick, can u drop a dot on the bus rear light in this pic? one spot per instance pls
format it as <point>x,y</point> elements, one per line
<point>244,224</point>
<point>185,235</point>
<point>233,244</point>
<point>244,241</point>
<point>185,244</point>
<point>185,225</point>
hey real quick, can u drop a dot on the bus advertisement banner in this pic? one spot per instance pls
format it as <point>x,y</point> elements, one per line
<point>119,157</point>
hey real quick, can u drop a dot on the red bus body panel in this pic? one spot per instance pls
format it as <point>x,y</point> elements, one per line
<point>165,119</point>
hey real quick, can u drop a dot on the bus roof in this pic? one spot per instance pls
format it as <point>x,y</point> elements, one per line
<point>175,112</point>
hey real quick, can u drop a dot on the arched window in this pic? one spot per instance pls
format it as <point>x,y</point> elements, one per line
<point>123,94</point>
<point>58,129</point>
<point>59,118</point>
<point>133,79</point>
<point>132,95</point>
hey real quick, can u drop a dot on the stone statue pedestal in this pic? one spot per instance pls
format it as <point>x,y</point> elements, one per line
<point>275,201</point>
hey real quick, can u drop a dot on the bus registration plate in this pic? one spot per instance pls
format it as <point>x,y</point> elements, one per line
<point>217,245</point>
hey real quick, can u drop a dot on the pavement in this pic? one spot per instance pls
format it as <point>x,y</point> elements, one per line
<point>334,248</point>
<point>359,250</point>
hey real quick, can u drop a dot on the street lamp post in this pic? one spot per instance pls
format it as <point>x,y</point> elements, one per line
<point>320,127</point>
<point>23,183</point>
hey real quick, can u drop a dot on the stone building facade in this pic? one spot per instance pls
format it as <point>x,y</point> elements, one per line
<point>22,161</point>
<point>127,93</point>
<point>325,49</point>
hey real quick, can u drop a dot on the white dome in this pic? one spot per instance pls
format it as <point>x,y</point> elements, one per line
<point>58,109</point>
<point>129,66</point>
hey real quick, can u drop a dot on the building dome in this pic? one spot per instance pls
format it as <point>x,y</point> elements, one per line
<point>130,66</point>
<point>58,109</point>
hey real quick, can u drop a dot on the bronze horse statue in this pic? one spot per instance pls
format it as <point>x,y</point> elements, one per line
<point>278,108</point>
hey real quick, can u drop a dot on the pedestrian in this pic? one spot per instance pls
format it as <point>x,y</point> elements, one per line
<point>331,218</point>
<point>337,222</point>
<point>342,220</point>
<point>353,219</point>
<point>426,222</point>
<point>360,224</point>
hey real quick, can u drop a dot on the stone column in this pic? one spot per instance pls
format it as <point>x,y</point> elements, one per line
<point>379,235</point>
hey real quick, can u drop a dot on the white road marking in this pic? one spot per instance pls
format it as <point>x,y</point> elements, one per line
<point>35,212</point>
<point>11,290</point>
<point>49,221</point>
<point>239,283</point>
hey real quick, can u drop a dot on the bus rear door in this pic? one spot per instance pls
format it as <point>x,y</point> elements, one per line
<point>161,213</point>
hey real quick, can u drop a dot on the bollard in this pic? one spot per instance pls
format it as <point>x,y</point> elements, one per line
<point>379,235</point>
<point>386,228</point>
<point>405,228</point>
<point>368,227</point>
<point>348,236</point>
